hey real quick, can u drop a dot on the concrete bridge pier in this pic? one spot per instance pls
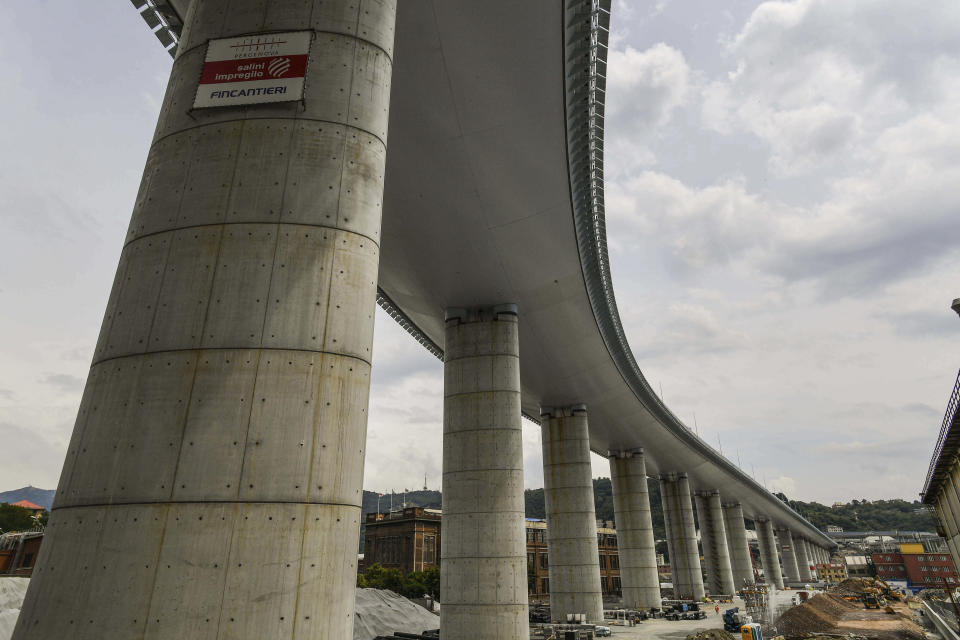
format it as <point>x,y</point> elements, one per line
<point>678,574</point>
<point>767,542</point>
<point>683,532</point>
<point>803,558</point>
<point>788,555</point>
<point>713,539</point>
<point>483,569</point>
<point>571,516</point>
<point>740,561</point>
<point>639,577</point>
<point>212,486</point>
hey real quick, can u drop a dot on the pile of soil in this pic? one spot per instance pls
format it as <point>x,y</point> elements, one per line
<point>854,586</point>
<point>817,615</point>
<point>712,634</point>
<point>805,618</point>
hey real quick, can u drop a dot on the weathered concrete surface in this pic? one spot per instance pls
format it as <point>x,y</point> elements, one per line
<point>683,533</point>
<point>788,555</point>
<point>639,578</point>
<point>571,517</point>
<point>483,573</point>
<point>769,556</point>
<point>713,539</point>
<point>212,486</point>
<point>802,552</point>
<point>740,561</point>
<point>677,573</point>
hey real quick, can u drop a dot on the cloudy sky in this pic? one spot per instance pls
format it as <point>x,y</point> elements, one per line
<point>783,181</point>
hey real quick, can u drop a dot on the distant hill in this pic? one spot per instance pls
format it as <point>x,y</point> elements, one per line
<point>866,515</point>
<point>858,515</point>
<point>42,497</point>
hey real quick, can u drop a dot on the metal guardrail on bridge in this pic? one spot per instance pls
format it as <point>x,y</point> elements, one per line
<point>948,419</point>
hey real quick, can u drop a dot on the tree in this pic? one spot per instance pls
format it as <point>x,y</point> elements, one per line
<point>15,518</point>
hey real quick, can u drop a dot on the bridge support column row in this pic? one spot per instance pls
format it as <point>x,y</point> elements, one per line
<point>571,516</point>
<point>638,555</point>
<point>740,560</point>
<point>212,486</point>
<point>483,572</point>
<point>682,536</point>
<point>788,555</point>
<point>713,539</point>
<point>767,542</point>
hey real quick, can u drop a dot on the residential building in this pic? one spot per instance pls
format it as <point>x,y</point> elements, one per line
<point>831,572</point>
<point>920,568</point>
<point>30,506</point>
<point>407,539</point>
<point>19,551</point>
<point>539,564</point>
<point>857,566</point>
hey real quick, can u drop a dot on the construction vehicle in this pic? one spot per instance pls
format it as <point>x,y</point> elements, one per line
<point>871,601</point>
<point>734,619</point>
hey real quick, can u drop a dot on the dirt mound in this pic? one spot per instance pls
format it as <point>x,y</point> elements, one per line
<point>818,614</point>
<point>805,618</point>
<point>854,586</point>
<point>832,604</point>
<point>712,634</point>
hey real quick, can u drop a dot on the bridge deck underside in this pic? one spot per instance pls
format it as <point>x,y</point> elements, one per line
<point>478,211</point>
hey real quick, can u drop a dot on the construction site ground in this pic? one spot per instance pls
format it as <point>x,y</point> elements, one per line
<point>660,629</point>
<point>829,613</point>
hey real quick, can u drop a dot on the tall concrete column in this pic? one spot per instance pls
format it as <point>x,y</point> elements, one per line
<point>803,558</point>
<point>483,569</point>
<point>212,486</point>
<point>684,531</point>
<point>768,553</point>
<point>677,572</point>
<point>713,539</point>
<point>571,516</point>
<point>639,577</point>
<point>788,555</point>
<point>740,561</point>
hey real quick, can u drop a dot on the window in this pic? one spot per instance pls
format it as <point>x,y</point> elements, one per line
<point>920,558</point>
<point>543,562</point>
<point>544,585</point>
<point>888,558</point>
<point>430,549</point>
<point>27,560</point>
<point>616,585</point>
<point>924,568</point>
<point>532,559</point>
<point>949,578</point>
<point>936,568</point>
<point>943,558</point>
<point>615,562</point>
<point>603,563</point>
<point>531,535</point>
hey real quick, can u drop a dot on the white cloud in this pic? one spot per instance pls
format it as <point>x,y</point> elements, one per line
<point>785,485</point>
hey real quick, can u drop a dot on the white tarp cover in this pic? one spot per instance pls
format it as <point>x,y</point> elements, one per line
<point>12,591</point>
<point>383,612</point>
<point>378,612</point>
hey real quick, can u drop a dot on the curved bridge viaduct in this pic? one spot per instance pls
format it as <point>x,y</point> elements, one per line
<point>212,487</point>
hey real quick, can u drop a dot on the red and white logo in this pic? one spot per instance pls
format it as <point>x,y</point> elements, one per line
<point>278,67</point>
<point>254,69</point>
